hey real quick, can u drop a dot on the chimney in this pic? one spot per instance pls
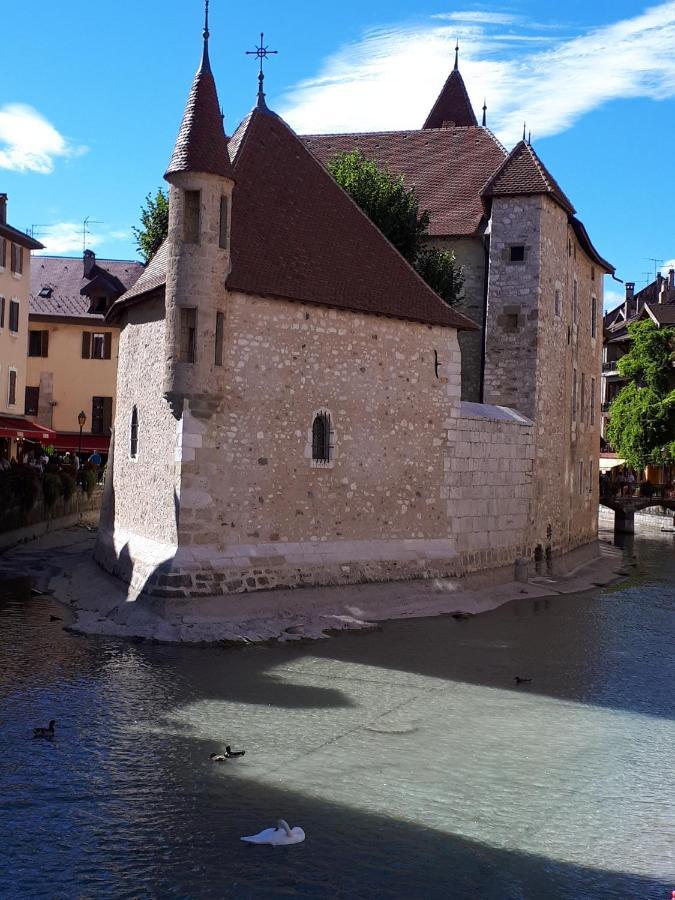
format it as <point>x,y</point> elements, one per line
<point>89,260</point>
<point>630,294</point>
<point>671,279</point>
<point>3,209</point>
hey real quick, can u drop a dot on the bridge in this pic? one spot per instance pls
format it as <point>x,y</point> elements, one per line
<point>625,504</point>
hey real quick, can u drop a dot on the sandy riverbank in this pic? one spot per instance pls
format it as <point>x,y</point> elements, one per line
<point>62,563</point>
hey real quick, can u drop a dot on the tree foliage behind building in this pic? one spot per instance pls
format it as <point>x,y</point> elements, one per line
<point>642,420</point>
<point>154,224</point>
<point>384,198</point>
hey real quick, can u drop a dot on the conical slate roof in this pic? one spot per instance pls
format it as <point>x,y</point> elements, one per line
<point>201,145</point>
<point>523,173</point>
<point>452,107</point>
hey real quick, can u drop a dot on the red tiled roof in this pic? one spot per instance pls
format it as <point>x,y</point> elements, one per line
<point>452,105</point>
<point>152,278</point>
<point>297,234</point>
<point>201,145</point>
<point>448,168</point>
<point>523,173</point>
<point>64,275</point>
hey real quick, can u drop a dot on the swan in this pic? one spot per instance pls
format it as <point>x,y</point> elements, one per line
<point>45,732</point>
<point>520,680</point>
<point>278,836</point>
<point>217,757</point>
<point>233,754</point>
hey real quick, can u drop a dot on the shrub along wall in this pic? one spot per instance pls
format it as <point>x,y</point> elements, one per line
<point>26,499</point>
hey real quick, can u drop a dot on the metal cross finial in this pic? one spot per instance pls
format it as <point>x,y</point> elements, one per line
<point>261,53</point>
<point>206,20</point>
<point>485,113</point>
<point>457,54</point>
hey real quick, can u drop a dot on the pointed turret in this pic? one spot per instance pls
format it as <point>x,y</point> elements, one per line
<point>452,107</point>
<point>523,173</point>
<point>201,145</point>
<point>197,248</point>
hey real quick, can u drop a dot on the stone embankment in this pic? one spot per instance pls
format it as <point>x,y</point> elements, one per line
<point>17,526</point>
<point>100,604</point>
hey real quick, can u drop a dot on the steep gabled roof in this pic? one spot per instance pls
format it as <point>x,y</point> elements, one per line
<point>296,234</point>
<point>448,168</point>
<point>152,278</point>
<point>65,286</point>
<point>522,173</point>
<point>452,106</point>
<point>201,145</point>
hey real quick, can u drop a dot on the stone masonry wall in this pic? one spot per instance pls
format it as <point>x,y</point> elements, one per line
<point>470,254</point>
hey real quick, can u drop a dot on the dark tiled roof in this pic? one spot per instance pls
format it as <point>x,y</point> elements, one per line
<point>523,173</point>
<point>297,234</point>
<point>452,105</point>
<point>18,237</point>
<point>587,246</point>
<point>64,275</point>
<point>663,314</point>
<point>201,145</point>
<point>153,277</point>
<point>447,166</point>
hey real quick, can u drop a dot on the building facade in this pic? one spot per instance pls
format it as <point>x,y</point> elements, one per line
<point>288,403</point>
<point>72,352</point>
<point>15,274</point>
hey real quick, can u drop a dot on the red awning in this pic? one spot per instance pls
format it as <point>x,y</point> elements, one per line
<point>64,440</point>
<point>16,427</point>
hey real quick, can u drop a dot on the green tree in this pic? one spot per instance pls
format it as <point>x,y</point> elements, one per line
<point>395,210</point>
<point>642,422</point>
<point>154,224</point>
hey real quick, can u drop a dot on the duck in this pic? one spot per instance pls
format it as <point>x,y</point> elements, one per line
<point>217,757</point>
<point>461,616</point>
<point>233,754</point>
<point>45,732</point>
<point>281,835</point>
<point>520,680</point>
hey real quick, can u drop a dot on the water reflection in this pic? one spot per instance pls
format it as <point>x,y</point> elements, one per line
<point>410,757</point>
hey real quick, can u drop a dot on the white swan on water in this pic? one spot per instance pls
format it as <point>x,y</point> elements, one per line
<point>278,836</point>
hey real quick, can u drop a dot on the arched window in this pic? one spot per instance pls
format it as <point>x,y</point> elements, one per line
<point>321,438</point>
<point>133,442</point>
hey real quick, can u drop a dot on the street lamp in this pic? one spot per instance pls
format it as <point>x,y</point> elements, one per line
<point>81,419</point>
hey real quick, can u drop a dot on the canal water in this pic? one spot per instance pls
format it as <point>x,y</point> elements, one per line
<point>416,765</point>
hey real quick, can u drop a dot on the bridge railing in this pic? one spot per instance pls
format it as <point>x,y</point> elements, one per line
<point>643,491</point>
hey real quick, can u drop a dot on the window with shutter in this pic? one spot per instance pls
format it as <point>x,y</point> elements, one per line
<point>86,343</point>
<point>17,259</point>
<point>32,401</point>
<point>188,332</point>
<point>107,415</point>
<point>321,438</point>
<point>38,343</point>
<point>11,391</point>
<point>3,252</point>
<point>97,415</point>
<point>2,312</point>
<point>14,316</point>
<point>107,345</point>
<point>222,243</point>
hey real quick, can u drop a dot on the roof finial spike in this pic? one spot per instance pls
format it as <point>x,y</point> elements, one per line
<point>457,55</point>
<point>485,113</point>
<point>206,22</point>
<point>529,138</point>
<point>261,53</point>
<point>524,131</point>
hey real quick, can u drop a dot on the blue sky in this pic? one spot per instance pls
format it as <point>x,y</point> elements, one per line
<point>92,95</point>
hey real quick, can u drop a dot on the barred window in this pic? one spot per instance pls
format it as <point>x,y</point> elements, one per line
<point>133,443</point>
<point>321,438</point>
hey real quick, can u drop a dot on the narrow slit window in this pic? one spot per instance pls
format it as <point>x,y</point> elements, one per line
<point>223,223</point>
<point>321,438</point>
<point>191,217</point>
<point>188,333</point>
<point>220,322</point>
<point>133,439</point>
<point>594,317</point>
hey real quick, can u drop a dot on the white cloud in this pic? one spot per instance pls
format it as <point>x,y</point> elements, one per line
<point>612,299</point>
<point>66,237</point>
<point>29,143</point>
<point>485,18</point>
<point>390,78</point>
<point>667,265</point>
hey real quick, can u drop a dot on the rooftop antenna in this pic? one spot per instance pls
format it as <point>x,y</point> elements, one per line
<point>261,53</point>
<point>36,229</point>
<point>85,230</point>
<point>656,264</point>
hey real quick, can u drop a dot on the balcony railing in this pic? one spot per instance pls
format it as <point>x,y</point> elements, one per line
<point>604,407</point>
<point>610,366</point>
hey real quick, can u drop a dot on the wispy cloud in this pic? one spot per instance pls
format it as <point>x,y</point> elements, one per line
<point>482,18</point>
<point>29,143</point>
<point>612,299</point>
<point>66,237</point>
<point>390,78</point>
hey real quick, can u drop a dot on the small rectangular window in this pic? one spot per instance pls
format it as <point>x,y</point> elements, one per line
<point>17,259</point>
<point>32,401</point>
<point>583,395</point>
<point>3,252</point>
<point>97,345</point>
<point>581,477</point>
<point>510,322</point>
<point>594,317</point>
<point>14,316</point>
<point>590,477</point>
<point>220,322</point>
<point>188,333</point>
<point>38,343</point>
<point>517,253</point>
<point>575,301</point>
<point>223,223</point>
<point>191,217</point>
<point>101,415</point>
<point>592,401</point>
<point>558,303</point>
<point>2,312</point>
<point>11,388</point>
<point>574,395</point>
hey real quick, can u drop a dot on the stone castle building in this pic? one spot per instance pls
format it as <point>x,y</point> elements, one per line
<point>289,402</point>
